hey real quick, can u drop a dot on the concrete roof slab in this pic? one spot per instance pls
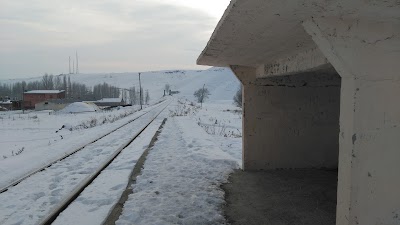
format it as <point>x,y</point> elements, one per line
<point>256,32</point>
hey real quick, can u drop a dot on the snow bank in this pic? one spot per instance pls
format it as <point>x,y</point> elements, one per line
<point>79,107</point>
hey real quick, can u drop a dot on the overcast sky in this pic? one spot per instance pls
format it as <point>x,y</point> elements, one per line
<point>38,36</point>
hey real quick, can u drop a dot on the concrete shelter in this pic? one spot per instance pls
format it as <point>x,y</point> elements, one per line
<point>321,87</point>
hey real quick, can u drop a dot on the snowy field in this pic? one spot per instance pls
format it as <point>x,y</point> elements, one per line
<point>220,119</point>
<point>23,133</point>
<point>26,133</point>
<point>180,183</point>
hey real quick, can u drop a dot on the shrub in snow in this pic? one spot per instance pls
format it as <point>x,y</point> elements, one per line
<point>220,130</point>
<point>100,120</point>
<point>15,153</point>
<point>20,151</point>
<point>184,109</point>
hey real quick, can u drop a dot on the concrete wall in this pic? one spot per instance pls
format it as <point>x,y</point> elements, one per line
<point>30,99</point>
<point>50,106</point>
<point>367,57</point>
<point>290,121</point>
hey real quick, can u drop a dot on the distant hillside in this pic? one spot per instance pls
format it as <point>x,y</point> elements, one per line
<point>221,82</point>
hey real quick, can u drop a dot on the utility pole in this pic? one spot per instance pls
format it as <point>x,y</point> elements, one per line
<point>73,66</point>
<point>140,91</point>
<point>69,66</point>
<point>77,65</point>
<point>22,103</point>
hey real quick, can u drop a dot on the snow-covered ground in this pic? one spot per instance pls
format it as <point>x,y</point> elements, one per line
<point>32,199</point>
<point>42,144</point>
<point>38,129</point>
<point>223,121</point>
<point>220,119</point>
<point>94,204</point>
<point>180,183</point>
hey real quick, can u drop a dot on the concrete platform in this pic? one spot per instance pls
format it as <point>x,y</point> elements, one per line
<point>281,197</point>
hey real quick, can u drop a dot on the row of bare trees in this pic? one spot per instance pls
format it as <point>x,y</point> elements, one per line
<point>134,97</point>
<point>73,90</point>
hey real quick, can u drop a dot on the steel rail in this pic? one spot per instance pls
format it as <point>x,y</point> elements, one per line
<point>32,172</point>
<point>52,216</point>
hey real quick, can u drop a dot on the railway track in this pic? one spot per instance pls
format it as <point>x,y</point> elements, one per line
<point>20,179</point>
<point>69,173</point>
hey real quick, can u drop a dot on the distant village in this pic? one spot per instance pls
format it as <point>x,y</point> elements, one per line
<point>57,92</point>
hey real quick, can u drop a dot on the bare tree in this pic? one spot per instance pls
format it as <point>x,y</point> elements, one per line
<point>147,99</point>
<point>58,83</point>
<point>47,82</point>
<point>34,85</point>
<point>201,94</point>
<point>132,96</point>
<point>141,97</point>
<point>69,87</point>
<point>106,91</point>
<point>64,83</point>
<point>123,95</point>
<point>237,99</point>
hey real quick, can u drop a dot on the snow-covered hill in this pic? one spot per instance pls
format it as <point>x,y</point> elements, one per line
<point>221,82</point>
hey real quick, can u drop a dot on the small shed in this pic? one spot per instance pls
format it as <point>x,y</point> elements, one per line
<point>110,102</point>
<point>6,104</point>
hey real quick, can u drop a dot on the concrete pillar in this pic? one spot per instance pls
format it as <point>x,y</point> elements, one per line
<point>290,121</point>
<point>367,56</point>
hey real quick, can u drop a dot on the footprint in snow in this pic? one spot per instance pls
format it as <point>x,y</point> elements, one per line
<point>36,196</point>
<point>52,186</point>
<point>119,186</point>
<point>55,192</point>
